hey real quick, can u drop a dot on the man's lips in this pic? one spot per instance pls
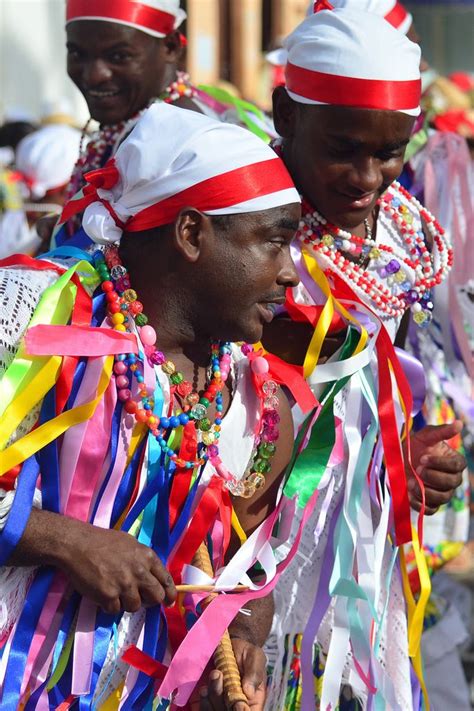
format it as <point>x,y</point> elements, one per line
<point>267,308</point>
<point>359,203</point>
<point>101,94</point>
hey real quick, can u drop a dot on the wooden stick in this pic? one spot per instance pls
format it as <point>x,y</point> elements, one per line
<point>208,588</point>
<point>224,658</point>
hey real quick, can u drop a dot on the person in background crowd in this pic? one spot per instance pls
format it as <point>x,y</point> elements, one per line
<point>44,162</point>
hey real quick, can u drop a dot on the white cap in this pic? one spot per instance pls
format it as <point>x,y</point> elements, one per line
<point>391,10</point>
<point>174,159</point>
<point>348,58</point>
<point>155,17</point>
<point>47,157</point>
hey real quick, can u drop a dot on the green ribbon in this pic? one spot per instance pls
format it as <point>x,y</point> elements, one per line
<point>242,107</point>
<point>306,468</point>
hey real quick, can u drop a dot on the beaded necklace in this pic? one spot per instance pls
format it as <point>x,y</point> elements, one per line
<point>104,141</point>
<point>124,309</point>
<point>390,287</point>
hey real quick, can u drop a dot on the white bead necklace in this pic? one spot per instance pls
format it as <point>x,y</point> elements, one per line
<point>404,274</point>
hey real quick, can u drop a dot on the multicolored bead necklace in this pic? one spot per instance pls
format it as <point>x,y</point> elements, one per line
<point>123,308</point>
<point>181,86</point>
<point>105,140</point>
<point>402,289</point>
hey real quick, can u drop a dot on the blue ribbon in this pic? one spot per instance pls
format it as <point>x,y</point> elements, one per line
<point>23,637</point>
<point>20,510</point>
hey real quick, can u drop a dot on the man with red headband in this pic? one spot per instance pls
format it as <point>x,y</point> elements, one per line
<point>122,56</point>
<point>340,636</point>
<point>122,451</point>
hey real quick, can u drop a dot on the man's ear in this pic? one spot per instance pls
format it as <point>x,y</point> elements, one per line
<point>284,112</point>
<point>173,47</point>
<point>191,229</point>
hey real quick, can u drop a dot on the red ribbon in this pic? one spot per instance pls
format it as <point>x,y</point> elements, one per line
<point>352,91</point>
<point>146,664</point>
<point>291,376</point>
<point>397,15</point>
<point>220,191</point>
<point>199,526</point>
<point>322,5</point>
<point>183,476</point>
<point>103,178</point>
<point>133,13</point>
<point>389,430</point>
<point>311,314</point>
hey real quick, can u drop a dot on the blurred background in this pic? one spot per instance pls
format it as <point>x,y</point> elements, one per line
<point>228,40</point>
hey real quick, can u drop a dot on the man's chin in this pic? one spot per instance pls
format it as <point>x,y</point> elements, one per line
<point>109,115</point>
<point>350,219</point>
<point>250,333</point>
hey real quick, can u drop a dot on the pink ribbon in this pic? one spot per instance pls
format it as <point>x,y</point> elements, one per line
<point>192,656</point>
<point>80,341</point>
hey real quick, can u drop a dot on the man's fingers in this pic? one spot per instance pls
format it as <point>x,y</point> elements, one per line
<point>441,480</point>
<point>163,577</point>
<point>254,673</point>
<point>151,591</point>
<point>204,703</point>
<point>453,463</point>
<point>433,499</point>
<point>432,434</point>
<point>111,606</point>
<point>213,695</point>
<point>130,601</point>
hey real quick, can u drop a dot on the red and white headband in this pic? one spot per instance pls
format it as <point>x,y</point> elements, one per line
<point>155,17</point>
<point>175,159</point>
<point>357,59</point>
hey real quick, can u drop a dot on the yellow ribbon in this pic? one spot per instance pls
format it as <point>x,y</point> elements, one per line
<point>236,525</point>
<point>55,308</point>
<point>416,610</point>
<point>51,430</point>
<point>322,327</point>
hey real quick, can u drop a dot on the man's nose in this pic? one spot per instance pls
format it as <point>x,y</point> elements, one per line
<point>96,72</point>
<point>366,175</point>
<point>288,276</point>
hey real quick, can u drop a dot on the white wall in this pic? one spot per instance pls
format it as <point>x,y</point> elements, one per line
<point>33,57</point>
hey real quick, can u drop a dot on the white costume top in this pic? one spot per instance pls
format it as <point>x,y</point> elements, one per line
<point>295,591</point>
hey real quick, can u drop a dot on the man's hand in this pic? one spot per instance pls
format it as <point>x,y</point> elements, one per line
<point>252,666</point>
<point>439,466</point>
<point>118,573</point>
<point>108,567</point>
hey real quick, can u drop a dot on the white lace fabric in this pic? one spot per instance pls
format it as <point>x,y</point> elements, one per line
<point>20,292</point>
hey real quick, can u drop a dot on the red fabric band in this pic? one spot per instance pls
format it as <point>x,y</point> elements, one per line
<point>216,193</point>
<point>350,91</point>
<point>397,15</point>
<point>133,13</point>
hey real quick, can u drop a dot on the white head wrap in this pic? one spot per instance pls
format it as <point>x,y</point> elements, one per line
<point>154,17</point>
<point>348,58</point>
<point>391,11</point>
<point>174,159</point>
<point>47,157</point>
